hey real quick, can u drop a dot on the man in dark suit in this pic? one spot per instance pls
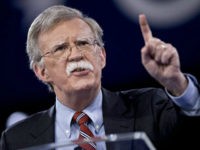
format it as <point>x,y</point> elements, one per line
<point>67,53</point>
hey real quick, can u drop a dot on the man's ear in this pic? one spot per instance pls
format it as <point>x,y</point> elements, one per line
<point>41,72</point>
<point>103,57</point>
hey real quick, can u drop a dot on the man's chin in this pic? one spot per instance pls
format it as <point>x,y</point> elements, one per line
<point>85,85</point>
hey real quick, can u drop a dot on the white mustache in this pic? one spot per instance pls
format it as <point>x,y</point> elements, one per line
<point>78,65</point>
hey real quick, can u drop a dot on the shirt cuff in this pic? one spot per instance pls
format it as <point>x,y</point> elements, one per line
<point>188,100</point>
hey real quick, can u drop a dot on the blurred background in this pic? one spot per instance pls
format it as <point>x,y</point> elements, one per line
<point>174,21</point>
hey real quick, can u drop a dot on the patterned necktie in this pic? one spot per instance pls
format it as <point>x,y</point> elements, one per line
<point>82,119</point>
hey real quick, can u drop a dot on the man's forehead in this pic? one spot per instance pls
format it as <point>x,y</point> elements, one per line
<point>66,32</point>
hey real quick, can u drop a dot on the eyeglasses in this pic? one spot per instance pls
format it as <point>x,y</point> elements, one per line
<point>62,51</point>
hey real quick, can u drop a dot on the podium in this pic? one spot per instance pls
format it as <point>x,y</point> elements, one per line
<point>122,141</point>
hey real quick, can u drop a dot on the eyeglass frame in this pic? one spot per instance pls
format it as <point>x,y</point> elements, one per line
<point>90,42</point>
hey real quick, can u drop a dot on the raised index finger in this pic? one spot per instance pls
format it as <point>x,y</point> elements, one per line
<point>144,26</point>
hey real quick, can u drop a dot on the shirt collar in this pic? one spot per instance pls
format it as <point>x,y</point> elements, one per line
<point>94,111</point>
<point>64,114</point>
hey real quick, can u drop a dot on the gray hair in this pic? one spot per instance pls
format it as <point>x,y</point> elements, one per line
<point>47,20</point>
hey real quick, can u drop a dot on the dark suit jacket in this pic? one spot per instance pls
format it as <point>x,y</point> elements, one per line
<point>148,110</point>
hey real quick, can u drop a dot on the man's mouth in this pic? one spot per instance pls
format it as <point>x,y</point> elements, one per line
<point>78,67</point>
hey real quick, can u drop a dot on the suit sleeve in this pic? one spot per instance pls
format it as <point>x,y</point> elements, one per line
<point>3,142</point>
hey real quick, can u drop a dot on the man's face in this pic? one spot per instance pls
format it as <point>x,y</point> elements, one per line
<point>77,71</point>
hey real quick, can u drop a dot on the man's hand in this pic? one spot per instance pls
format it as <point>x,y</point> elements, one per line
<point>161,60</point>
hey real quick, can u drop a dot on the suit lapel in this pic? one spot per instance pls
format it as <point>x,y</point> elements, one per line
<point>43,131</point>
<point>117,118</point>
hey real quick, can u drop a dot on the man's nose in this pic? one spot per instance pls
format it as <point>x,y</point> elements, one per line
<point>74,54</point>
